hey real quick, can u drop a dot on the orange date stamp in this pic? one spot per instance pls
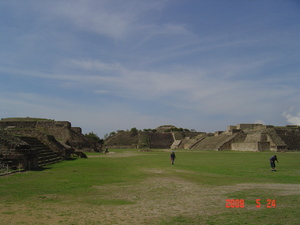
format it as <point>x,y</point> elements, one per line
<point>240,203</point>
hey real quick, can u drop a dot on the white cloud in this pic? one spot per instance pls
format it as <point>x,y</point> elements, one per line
<point>115,19</point>
<point>131,81</point>
<point>95,65</point>
<point>291,119</point>
<point>191,88</point>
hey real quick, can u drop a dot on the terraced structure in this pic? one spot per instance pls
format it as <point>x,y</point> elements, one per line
<point>242,137</point>
<point>30,143</point>
<point>46,155</point>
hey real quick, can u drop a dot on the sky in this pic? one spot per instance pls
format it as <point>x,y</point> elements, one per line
<point>108,65</point>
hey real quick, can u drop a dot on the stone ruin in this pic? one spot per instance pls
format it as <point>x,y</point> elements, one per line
<point>16,153</point>
<point>246,137</point>
<point>162,137</point>
<point>242,137</point>
<point>32,143</point>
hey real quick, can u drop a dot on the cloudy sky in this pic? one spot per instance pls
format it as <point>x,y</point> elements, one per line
<point>108,65</point>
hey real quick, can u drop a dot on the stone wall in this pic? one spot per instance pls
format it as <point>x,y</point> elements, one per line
<point>217,133</point>
<point>244,126</point>
<point>61,130</point>
<point>57,128</point>
<point>251,146</point>
<point>160,140</point>
<point>230,128</point>
<point>256,137</point>
<point>34,124</point>
<point>16,153</point>
<point>77,129</point>
<point>235,137</point>
<point>143,140</point>
<point>252,137</point>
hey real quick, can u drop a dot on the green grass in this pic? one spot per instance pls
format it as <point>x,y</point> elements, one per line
<point>112,181</point>
<point>219,168</point>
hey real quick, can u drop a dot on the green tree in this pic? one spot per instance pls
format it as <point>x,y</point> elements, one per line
<point>134,131</point>
<point>94,137</point>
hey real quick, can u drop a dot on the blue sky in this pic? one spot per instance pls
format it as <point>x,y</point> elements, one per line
<point>108,65</point>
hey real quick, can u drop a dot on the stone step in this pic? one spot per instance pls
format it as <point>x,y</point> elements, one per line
<point>46,155</point>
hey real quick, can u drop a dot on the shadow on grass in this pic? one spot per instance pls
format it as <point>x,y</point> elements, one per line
<point>41,168</point>
<point>71,159</point>
<point>47,167</point>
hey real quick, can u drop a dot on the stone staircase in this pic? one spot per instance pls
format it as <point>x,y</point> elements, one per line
<point>277,142</point>
<point>225,144</point>
<point>46,155</point>
<point>210,143</point>
<point>176,144</point>
<point>217,143</point>
<point>194,142</point>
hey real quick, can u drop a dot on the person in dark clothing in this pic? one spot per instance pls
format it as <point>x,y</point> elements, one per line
<point>272,162</point>
<point>172,157</point>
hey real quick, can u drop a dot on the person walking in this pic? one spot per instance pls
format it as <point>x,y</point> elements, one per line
<point>272,162</point>
<point>172,157</point>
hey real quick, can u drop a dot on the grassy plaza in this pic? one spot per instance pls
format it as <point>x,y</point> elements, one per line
<point>142,187</point>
